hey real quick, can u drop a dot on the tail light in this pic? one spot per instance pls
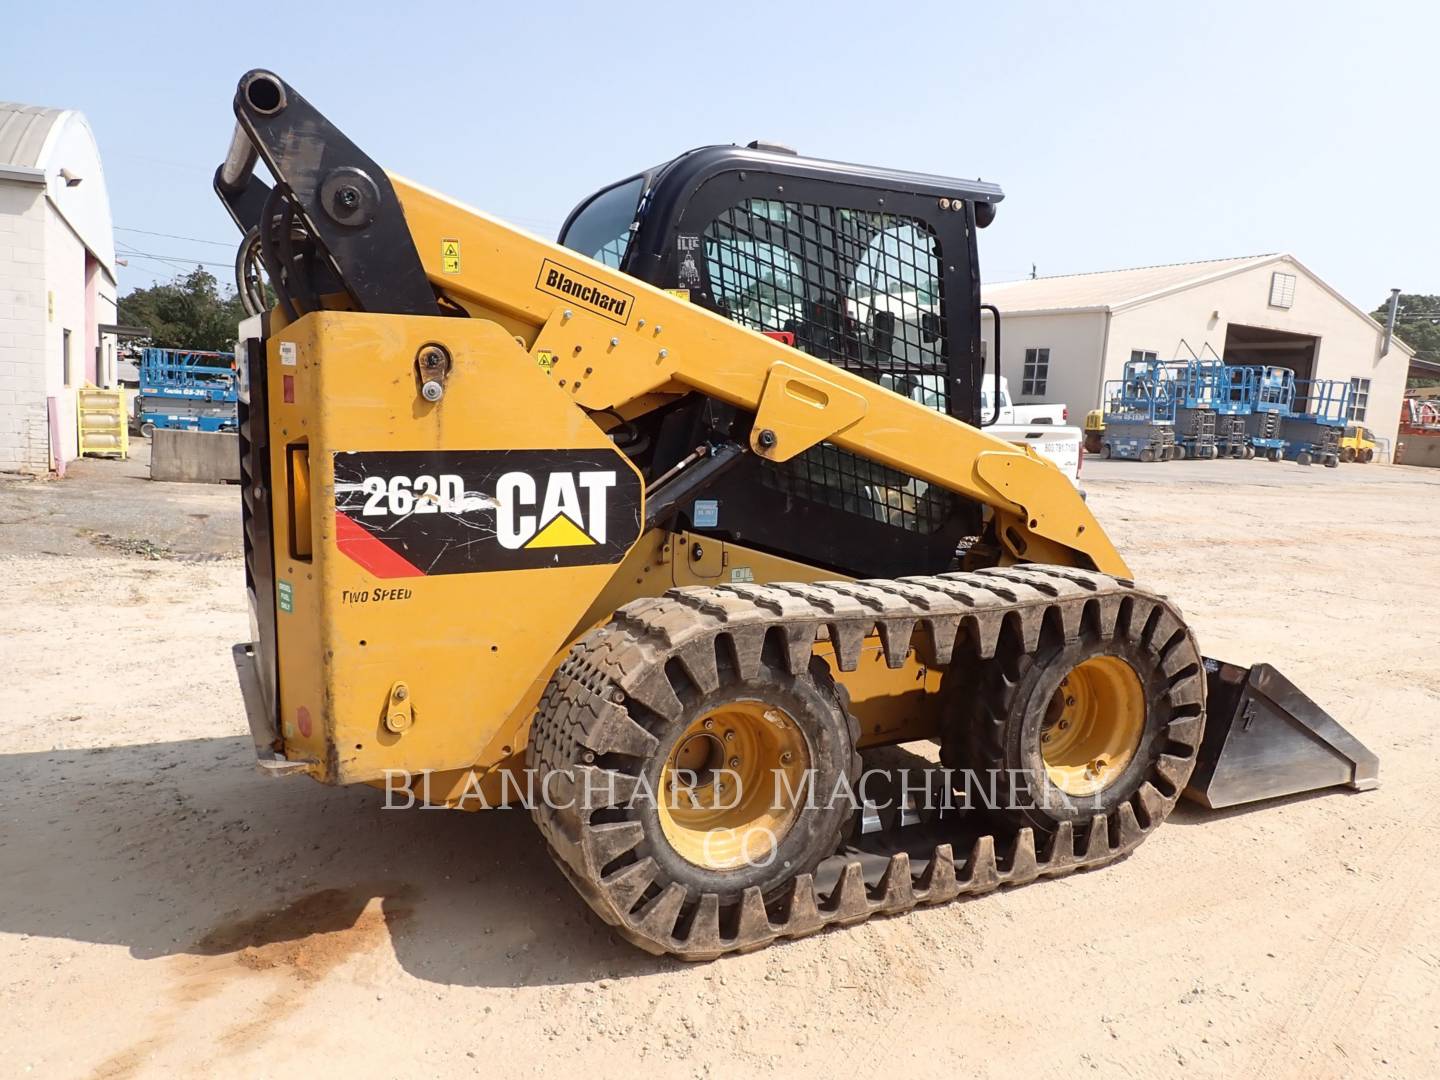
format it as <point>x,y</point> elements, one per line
<point>1064,413</point>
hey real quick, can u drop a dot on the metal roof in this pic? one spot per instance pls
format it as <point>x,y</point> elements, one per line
<point>1107,290</point>
<point>1113,290</point>
<point>24,132</point>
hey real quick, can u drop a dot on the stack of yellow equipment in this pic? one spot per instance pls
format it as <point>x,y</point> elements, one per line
<point>100,422</point>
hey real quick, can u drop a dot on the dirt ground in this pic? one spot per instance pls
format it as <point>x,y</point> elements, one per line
<point>164,908</point>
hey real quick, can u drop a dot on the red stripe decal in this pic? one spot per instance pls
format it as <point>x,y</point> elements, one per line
<point>369,551</point>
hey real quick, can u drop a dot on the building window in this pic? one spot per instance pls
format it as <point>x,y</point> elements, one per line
<point>65,358</point>
<point>1140,356</point>
<point>1282,290</point>
<point>1359,399</point>
<point>1037,371</point>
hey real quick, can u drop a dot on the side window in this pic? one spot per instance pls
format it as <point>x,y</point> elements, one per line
<point>602,229</point>
<point>857,288</point>
<point>861,290</point>
<point>1359,399</point>
<point>1036,374</point>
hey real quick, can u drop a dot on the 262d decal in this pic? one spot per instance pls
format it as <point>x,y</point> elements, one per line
<point>410,513</point>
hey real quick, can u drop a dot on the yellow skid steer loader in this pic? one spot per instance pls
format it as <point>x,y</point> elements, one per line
<point>662,528</point>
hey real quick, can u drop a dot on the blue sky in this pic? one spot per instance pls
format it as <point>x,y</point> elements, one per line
<point>1124,133</point>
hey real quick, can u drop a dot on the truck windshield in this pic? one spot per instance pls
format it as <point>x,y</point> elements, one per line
<point>602,229</point>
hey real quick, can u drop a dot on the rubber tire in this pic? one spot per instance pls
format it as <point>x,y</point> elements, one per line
<point>1179,453</point>
<point>819,708</point>
<point>1272,454</point>
<point>147,430</point>
<point>1368,456</point>
<point>1303,458</point>
<point>1249,453</point>
<point>993,720</point>
<point>1147,455</point>
<point>1105,451</point>
<point>1347,454</point>
<point>1331,461</point>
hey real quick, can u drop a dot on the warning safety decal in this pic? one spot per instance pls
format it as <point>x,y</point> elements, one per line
<point>404,513</point>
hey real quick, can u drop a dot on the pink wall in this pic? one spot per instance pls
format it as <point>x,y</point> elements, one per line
<point>90,343</point>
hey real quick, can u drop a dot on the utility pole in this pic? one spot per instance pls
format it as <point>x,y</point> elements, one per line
<point>1390,320</point>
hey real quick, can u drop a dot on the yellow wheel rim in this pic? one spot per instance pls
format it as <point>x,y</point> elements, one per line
<point>1093,725</point>
<point>731,788</point>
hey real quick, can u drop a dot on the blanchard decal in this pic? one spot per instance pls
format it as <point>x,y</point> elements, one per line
<point>568,284</point>
<point>411,513</point>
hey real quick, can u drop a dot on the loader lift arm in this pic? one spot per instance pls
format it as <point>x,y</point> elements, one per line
<point>386,240</point>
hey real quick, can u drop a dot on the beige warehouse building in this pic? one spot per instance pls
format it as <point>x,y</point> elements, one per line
<point>57,283</point>
<point>1063,338</point>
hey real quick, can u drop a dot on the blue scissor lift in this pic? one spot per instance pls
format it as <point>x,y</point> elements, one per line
<point>1233,399</point>
<point>1140,413</point>
<point>1271,404</point>
<point>1317,420</point>
<point>187,388</point>
<point>1196,386</point>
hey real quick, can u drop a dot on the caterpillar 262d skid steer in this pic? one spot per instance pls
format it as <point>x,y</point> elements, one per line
<point>661,527</point>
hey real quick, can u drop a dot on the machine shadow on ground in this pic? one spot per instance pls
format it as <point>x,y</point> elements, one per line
<point>181,848</point>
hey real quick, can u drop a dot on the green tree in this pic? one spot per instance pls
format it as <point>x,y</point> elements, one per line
<point>187,313</point>
<point>1416,328</point>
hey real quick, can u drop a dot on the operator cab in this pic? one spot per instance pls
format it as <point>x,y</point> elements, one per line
<point>872,270</point>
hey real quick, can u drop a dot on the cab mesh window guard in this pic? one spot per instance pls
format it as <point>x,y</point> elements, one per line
<point>860,290</point>
<point>833,477</point>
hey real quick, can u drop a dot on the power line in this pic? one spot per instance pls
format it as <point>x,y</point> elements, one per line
<point>176,260</point>
<point>173,236</point>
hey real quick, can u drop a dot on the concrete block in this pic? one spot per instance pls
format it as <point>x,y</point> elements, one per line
<point>1422,450</point>
<point>195,457</point>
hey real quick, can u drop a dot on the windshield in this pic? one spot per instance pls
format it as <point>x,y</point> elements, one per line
<point>602,229</point>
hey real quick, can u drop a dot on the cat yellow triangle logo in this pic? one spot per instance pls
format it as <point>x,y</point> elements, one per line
<point>561,532</point>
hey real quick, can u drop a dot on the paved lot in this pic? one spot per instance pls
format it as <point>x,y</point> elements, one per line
<point>163,908</point>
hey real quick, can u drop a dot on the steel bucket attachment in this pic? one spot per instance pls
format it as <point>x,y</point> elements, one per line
<point>1265,739</point>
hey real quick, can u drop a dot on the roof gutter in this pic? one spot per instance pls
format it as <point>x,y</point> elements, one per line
<point>1020,313</point>
<point>22,174</point>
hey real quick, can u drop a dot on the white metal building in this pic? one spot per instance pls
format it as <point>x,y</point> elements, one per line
<point>57,282</point>
<point>1062,338</point>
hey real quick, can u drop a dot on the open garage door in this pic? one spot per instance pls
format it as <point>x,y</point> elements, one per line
<point>1257,345</point>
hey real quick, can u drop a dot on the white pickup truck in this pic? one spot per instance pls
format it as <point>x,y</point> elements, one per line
<point>1010,413</point>
<point>1058,442</point>
<point>1041,427</point>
